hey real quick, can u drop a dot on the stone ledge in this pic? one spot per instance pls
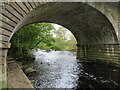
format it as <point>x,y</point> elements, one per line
<point>16,77</point>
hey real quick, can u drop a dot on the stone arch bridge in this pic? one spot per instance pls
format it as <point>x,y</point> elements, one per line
<point>94,24</point>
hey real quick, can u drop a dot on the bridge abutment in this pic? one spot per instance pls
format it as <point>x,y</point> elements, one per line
<point>3,64</point>
<point>108,53</point>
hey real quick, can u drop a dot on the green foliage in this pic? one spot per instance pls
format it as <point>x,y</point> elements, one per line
<point>71,43</point>
<point>42,36</point>
<point>60,39</point>
<point>64,40</point>
<point>30,37</point>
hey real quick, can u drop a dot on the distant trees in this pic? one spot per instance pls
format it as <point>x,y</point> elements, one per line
<point>40,35</point>
<point>71,43</point>
<point>64,40</point>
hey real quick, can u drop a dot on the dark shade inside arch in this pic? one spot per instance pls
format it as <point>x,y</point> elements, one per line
<point>87,24</point>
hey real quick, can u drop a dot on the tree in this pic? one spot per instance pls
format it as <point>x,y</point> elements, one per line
<point>42,36</point>
<point>71,43</point>
<point>30,37</point>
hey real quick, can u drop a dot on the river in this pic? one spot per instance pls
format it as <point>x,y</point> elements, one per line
<point>61,69</point>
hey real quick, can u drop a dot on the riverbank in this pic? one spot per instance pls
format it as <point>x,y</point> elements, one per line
<point>16,77</point>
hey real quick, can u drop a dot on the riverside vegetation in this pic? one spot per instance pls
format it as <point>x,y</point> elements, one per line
<point>39,36</point>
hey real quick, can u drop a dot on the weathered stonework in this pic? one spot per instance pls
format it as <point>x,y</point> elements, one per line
<point>3,64</point>
<point>110,10</point>
<point>94,24</point>
<point>106,53</point>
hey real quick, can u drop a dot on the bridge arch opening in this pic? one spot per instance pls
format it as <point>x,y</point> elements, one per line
<point>91,28</point>
<point>55,56</point>
<point>46,36</point>
<point>88,25</point>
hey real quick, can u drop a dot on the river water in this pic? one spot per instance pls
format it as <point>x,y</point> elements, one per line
<point>61,69</point>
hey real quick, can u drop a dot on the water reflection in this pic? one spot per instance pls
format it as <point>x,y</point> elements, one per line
<point>61,69</point>
<point>99,76</point>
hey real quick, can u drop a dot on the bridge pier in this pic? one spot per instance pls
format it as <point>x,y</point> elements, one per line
<point>3,64</point>
<point>108,53</point>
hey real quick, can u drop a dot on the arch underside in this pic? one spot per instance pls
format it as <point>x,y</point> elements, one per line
<point>95,35</point>
<point>88,25</point>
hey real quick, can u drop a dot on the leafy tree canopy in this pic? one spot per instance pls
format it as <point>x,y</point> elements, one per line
<point>40,35</point>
